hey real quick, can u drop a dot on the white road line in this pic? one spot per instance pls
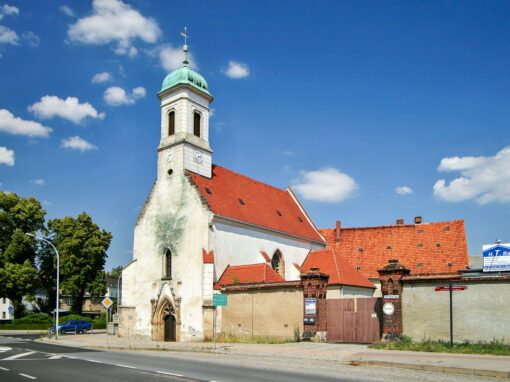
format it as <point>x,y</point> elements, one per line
<point>93,360</point>
<point>55,356</point>
<point>129,367</point>
<point>4,349</point>
<point>172,374</point>
<point>4,369</point>
<point>27,376</point>
<point>18,356</point>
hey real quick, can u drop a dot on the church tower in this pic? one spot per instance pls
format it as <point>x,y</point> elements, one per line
<point>184,143</point>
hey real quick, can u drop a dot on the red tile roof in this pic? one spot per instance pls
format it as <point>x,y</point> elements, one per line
<point>208,258</point>
<point>265,255</point>
<point>238,197</point>
<point>249,274</point>
<point>413,245</point>
<point>340,271</point>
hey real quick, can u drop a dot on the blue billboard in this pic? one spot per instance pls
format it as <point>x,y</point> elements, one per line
<point>496,257</point>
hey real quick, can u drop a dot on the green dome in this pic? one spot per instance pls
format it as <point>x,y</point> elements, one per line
<point>185,75</point>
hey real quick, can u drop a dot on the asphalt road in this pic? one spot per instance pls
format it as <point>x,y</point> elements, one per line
<point>22,359</point>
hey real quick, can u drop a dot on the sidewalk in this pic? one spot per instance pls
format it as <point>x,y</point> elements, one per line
<point>472,364</point>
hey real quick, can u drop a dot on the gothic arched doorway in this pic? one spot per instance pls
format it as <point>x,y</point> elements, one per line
<point>170,332</point>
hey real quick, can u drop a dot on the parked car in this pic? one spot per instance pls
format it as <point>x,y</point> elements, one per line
<point>77,326</point>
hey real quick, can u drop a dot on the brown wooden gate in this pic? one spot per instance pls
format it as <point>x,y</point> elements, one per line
<point>356,320</point>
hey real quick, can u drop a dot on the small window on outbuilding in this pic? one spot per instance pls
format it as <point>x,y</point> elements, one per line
<point>171,123</point>
<point>196,124</point>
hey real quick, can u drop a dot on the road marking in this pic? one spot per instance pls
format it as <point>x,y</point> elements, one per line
<point>4,369</point>
<point>55,356</point>
<point>129,367</point>
<point>18,356</point>
<point>27,376</point>
<point>172,374</point>
<point>93,360</point>
<point>4,349</point>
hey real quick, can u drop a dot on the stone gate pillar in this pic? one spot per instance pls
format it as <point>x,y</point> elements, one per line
<point>314,285</point>
<point>391,286</point>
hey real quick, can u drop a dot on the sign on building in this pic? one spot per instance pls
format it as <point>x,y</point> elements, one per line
<point>219,299</point>
<point>496,257</point>
<point>310,306</point>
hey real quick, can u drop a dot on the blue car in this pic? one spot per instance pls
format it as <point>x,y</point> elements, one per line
<point>75,326</point>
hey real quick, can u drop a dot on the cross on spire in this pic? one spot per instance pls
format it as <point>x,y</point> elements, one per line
<point>185,48</point>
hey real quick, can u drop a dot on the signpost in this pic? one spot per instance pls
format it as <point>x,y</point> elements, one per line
<point>450,288</point>
<point>496,257</point>
<point>107,303</point>
<point>218,300</point>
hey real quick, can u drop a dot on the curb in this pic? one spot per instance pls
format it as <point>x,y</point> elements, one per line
<point>442,369</point>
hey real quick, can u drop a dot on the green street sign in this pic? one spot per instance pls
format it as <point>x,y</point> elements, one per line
<point>219,299</point>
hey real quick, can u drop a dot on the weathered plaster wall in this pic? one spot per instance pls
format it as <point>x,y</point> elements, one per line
<point>263,312</point>
<point>173,218</point>
<point>352,292</point>
<point>235,244</point>
<point>480,313</point>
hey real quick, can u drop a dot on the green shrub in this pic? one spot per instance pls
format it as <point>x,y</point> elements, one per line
<point>35,319</point>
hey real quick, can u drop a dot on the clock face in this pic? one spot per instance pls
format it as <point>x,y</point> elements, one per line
<point>198,156</point>
<point>170,156</point>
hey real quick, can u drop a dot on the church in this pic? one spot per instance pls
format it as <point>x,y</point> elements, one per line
<point>205,229</point>
<point>198,220</point>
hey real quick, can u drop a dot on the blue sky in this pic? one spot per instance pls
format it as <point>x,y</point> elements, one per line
<point>372,111</point>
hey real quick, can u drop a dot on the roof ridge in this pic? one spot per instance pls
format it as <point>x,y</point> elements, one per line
<point>336,264</point>
<point>248,178</point>
<point>393,225</point>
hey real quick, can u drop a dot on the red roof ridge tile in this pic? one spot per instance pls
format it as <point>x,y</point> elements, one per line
<point>294,197</point>
<point>265,255</point>
<point>392,225</point>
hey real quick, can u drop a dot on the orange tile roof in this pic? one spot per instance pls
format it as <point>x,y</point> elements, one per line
<point>238,197</point>
<point>413,245</point>
<point>340,271</point>
<point>249,274</point>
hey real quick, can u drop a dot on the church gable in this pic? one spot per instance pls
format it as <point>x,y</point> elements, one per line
<point>238,197</point>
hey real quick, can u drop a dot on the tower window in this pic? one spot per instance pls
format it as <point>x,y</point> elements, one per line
<point>196,124</point>
<point>168,264</point>
<point>171,123</point>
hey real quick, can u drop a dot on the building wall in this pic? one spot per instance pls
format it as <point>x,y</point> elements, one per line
<point>5,303</point>
<point>274,312</point>
<point>175,218</point>
<point>236,244</point>
<point>480,313</point>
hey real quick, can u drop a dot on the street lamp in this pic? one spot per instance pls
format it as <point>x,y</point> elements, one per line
<point>58,276</point>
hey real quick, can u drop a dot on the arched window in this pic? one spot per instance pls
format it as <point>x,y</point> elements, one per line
<point>196,124</point>
<point>168,264</point>
<point>278,264</point>
<point>171,123</point>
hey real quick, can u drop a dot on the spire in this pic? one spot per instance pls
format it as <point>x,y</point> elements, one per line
<point>185,48</point>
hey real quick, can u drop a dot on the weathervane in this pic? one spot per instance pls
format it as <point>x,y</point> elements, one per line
<point>185,48</point>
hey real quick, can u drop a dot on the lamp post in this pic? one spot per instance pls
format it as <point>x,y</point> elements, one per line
<point>118,292</point>
<point>58,276</point>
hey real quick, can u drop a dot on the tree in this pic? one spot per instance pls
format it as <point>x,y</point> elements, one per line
<point>82,246</point>
<point>116,272</point>
<point>18,276</point>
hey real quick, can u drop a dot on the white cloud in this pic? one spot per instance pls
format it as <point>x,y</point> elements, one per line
<point>77,143</point>
<point>39,182</point>
<point>483,179</point>
<point>17,126</point>
<point>237,70</point>
<point>212,111</point>
<point>116,96</point>
<point>68,11</point>
<point>113,21</point>
<point>328,185</point>
<point>70,109</point>
<point>8,36</point>
<point>139,92</point>
<point>6,156</point>
<point>8,10</point>
<point>31,38</point>
<point>101,77</point>
<point>171,58</point>
<point>288,152</point>
<point>47,203</point>
<point>403,190</point>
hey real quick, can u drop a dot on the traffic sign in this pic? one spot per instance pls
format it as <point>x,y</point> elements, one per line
<point>10,308</point>
<point>107,302</point>
<point>219,299</point>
